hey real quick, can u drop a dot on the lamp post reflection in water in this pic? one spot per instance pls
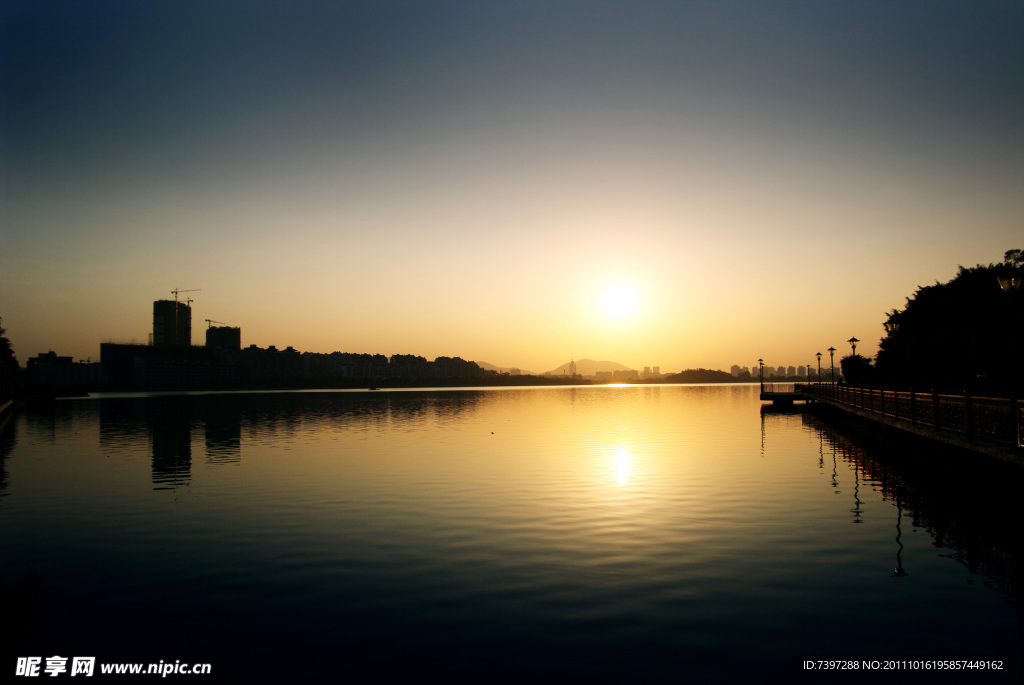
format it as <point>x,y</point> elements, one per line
<point>857,510</point>
<point>899,571</point>
<point>835,472</point>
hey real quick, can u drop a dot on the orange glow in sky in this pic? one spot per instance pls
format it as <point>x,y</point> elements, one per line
<point>666,184</point>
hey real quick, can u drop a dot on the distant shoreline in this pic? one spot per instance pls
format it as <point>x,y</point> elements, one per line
<point>451,384</point>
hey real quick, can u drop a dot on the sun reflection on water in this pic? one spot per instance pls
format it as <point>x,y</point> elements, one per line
<point>621,465</point>
<point>666,517</point>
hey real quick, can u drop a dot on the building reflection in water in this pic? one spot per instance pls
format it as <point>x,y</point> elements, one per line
<point>164,425</point>
<point>172,444</point>
<point>223,432</point>
<point>160,425</point>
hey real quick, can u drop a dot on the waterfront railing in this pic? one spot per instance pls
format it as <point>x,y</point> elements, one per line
<point>779,387</point>
<point>995,419</point>
<point>6,388</point>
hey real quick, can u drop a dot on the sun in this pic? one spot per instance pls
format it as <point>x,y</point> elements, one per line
<point>618,300</point>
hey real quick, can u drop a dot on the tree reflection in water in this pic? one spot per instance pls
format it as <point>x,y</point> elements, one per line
<point>967,503</point>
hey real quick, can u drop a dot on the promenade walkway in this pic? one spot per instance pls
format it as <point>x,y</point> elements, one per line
<point>990,425</point>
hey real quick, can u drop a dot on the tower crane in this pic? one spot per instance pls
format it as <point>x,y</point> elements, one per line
<point>210,322</point>
<point>181,290</point>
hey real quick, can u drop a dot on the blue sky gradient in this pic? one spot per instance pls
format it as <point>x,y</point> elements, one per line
<point>459,178</point>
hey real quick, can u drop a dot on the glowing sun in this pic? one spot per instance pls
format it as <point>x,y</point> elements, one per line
<point>618,300</point>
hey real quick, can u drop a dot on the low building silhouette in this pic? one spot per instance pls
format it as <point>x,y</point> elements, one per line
<point>50,374</point>
<point>132,366</point>
<point>224,338</point>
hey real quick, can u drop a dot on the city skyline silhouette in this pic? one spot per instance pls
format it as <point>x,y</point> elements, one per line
<point>683,185</point>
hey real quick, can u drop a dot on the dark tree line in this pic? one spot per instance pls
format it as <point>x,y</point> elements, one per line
<point>858,370</point>
<point>7,358</point>
<point>8,366</point>
<point>960,336</point>
<point>701,376</point>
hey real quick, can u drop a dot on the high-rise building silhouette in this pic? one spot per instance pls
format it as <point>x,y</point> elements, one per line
<point>172,323</point>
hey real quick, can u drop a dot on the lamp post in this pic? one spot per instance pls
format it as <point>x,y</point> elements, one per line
<point>818,355</point>
<point>760,366</point>
<point>1009,285</point>
<point>832,360</point>
<point>853,343</point>
<point>891,327</point>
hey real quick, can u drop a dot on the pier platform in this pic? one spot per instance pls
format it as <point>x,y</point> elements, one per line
<point>785,393</point>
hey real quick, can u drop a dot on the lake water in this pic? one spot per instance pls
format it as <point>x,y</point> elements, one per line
<point>641,533</point>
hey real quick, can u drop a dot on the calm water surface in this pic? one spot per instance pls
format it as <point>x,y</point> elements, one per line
<point>643,533</point>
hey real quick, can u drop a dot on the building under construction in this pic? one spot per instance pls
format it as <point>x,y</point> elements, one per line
<point>172,324</point>
<point>170,360</point>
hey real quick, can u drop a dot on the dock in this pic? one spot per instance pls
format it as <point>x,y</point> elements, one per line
<point>785,393</point>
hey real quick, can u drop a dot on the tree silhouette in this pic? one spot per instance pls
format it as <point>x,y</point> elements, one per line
<point>959,336</point>
<point>7,358</point>
<point>858,370</point>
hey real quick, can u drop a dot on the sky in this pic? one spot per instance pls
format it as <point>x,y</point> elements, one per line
<point>676,184</point>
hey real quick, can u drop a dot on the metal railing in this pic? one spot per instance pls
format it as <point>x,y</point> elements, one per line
<point>7,385</point>
<point>997,419</point>
<point>778,387</point>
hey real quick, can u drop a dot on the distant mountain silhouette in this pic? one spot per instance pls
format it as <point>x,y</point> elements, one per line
<point>502,369</point>
<point>588,367</point>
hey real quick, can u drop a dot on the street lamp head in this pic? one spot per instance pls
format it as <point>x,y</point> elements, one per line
<point>831,351</point>
<point>853,341</point>
<point>818,355</point>
<point>891,326</point>
<point>1009,283</point>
